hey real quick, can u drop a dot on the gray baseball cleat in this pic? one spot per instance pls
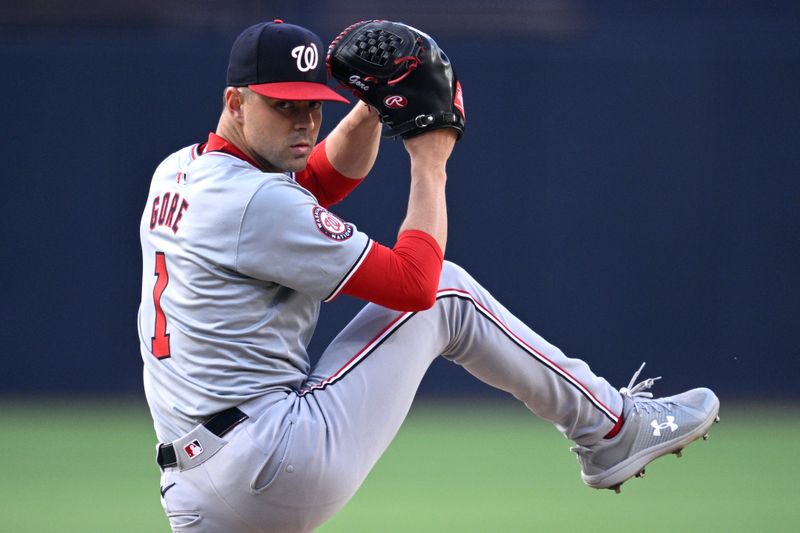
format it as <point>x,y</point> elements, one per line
<point>651,428</point>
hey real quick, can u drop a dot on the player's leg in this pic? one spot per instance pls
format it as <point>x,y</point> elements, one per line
<point>362,388</point>
<point>384,354</point>
<point>321,442</point>
<point>367,378</point>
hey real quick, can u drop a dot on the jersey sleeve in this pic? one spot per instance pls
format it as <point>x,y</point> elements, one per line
<point>286,237</point>
<point>326,183</point>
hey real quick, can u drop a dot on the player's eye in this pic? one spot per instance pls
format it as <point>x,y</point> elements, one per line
<point>315,104</point>
<point>284,105</point>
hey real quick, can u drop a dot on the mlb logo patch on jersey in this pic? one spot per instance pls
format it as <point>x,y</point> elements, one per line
<point>332,226</point>
<point>193,449</point>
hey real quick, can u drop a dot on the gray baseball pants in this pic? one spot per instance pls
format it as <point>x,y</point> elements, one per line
<point>301,455</point>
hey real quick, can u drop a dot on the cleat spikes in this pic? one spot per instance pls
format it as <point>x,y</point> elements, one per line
<point>616,488</point>
<point>716,420</point>
<point>641,473</point>
<point>678,453</point>
<point>705,437</point>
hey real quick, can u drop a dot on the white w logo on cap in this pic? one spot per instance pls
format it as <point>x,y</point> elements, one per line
<point>307,57</point>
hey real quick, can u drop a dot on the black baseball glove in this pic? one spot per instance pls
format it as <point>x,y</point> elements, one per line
<point>402,73</point>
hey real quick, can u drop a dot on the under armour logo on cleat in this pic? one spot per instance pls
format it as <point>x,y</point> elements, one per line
<point>670,423</point>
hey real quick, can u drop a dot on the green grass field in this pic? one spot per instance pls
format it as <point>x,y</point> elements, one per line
<point>78,466</point>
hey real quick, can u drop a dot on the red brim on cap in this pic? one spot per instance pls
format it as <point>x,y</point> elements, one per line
<point>298,90</point>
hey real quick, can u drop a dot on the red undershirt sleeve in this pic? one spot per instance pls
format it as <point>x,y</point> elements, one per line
<point>326,183</point>
<point>404,278</point>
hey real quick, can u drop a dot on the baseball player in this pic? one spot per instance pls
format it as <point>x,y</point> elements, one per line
<point>240,248</point>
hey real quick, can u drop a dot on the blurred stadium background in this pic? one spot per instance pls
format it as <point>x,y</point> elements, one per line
<point>628,185</point>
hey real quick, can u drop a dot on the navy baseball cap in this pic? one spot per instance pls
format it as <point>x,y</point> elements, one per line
<point>281,61</point>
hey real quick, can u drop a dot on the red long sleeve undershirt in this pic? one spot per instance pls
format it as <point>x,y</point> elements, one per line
<point>404,278</point>
<point>326,183</point>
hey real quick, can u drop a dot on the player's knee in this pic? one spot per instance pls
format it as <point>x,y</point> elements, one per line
<point>453,277</point>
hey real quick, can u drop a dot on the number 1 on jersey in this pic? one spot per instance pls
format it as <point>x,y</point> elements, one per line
<point>160,340</point>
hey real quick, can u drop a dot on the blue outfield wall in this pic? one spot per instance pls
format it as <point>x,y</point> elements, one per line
<point>631,191</point>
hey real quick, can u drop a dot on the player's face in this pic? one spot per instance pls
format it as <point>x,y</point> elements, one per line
<point>281,133</point>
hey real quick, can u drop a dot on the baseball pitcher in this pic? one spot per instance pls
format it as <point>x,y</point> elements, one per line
<point>240,247</point>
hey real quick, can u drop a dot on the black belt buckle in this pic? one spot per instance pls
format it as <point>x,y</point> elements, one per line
<point>219,424</point>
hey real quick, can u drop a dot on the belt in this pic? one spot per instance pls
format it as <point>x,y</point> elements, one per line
<point>219,425</point>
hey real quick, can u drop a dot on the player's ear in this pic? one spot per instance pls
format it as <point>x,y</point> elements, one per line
<point>234,98</point>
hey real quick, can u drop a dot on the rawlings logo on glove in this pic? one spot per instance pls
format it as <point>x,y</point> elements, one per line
<point>402,73</point>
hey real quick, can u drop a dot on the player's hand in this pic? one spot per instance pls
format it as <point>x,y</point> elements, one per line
<point>402,73</point>
<point>433,147</point>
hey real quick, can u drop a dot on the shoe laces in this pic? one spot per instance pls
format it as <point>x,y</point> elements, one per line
<point>642,400</point>
<point>638,390</point>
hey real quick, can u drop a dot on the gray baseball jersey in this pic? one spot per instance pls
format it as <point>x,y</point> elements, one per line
<point>236,263</point>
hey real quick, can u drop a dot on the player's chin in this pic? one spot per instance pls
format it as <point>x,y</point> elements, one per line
<point>296,164</point>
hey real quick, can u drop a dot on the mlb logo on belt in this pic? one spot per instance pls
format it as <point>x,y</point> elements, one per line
<point>193,449</point>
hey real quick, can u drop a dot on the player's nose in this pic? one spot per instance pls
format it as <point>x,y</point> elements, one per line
<point>306,116</point>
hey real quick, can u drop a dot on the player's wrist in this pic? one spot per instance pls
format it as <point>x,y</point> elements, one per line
<point>434,147</point>
<point>428,161</point>
<point>432,172</point>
